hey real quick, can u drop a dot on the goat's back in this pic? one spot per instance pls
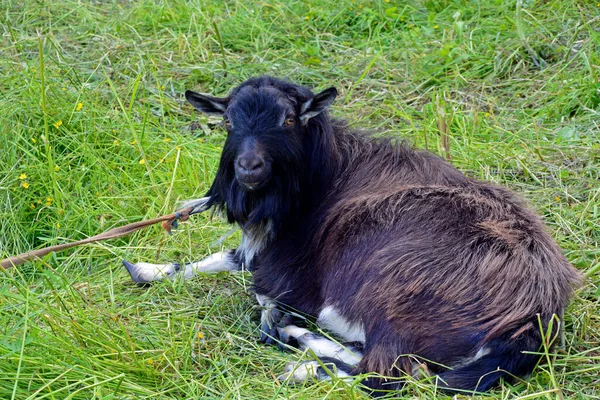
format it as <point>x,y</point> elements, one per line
<point>411,241</point>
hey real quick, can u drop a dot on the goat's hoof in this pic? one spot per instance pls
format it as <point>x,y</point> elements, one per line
<point>270,331</point>
<point>144,273</point>
<point>285,341</point>
<point>134,273</point>
<point>268,326</point>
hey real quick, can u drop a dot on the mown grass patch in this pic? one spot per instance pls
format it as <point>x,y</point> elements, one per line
<point>94,133</point>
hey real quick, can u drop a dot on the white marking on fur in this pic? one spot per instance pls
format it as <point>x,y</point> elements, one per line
<point>300,372</point>
<point>482,352</point>
<point>268,305</point>
<point>217,262</point>
<point>254,240</point>
<point>321,346</point>
<point>331,320</point>
<point>198,204</point>
<point>145,272</point>
<point>265,301</point>
<point>305,107</point>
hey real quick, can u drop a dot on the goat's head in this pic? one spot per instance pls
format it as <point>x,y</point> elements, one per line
<point>265,154</point>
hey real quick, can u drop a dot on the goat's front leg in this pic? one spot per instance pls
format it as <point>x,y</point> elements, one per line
<point>145,272</point>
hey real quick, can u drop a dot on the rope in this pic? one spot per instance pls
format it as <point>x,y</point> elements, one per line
<point>168,222</point>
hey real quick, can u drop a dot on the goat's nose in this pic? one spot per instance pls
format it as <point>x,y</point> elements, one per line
<point>251,164</point>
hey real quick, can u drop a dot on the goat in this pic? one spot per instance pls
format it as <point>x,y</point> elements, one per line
<point>388,247</point>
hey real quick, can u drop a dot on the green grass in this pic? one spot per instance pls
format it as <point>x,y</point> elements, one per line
<point>97,128</point>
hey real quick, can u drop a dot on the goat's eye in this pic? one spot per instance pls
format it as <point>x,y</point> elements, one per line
<point>289,121</point>
<point>227,123</point>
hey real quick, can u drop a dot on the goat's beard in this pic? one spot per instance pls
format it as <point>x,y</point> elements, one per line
<point>277,203</point>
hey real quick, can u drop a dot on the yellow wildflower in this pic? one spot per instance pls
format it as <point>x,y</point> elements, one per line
<point>56,168</point>
<point>116,142</point>
<point>142,161</point>
<point>166,140</point>
<point>79,106</point>
<point>32,205</point>
<point>557,198</point>
<point>57,124</point>
<point>200,335</point>
<point>49,200</point>
<point>34,140</point>
<point>58,225</point>
<point>23,176</point>
<point>435,26</point>
<point>162,87</point>
<point>25,185</point>
<point>133,142</point>
<point>150,361</point>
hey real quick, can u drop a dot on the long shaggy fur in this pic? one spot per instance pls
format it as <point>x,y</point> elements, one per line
<point>430,262</point>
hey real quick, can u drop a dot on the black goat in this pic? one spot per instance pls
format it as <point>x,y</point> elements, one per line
<point>387,246</point>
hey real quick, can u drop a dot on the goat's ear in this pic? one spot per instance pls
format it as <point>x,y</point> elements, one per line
<point>207,104</point>
<point>317,104</point>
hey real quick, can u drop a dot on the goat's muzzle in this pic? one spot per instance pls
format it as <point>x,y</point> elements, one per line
<point>252,171</point>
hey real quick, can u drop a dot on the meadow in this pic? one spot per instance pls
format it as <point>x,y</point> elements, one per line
<point>95,133</point>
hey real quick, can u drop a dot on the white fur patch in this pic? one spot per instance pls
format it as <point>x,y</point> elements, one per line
<point>216,262</point>
<point>265,301</point>
<point>482,352</point>
<point>321,346</point>
<point>331,320</point>
<point>299,372</point>
<point>198,204</point>
<point>145,272</point>
<point>254,240</point>
<point>308,370</point>
<point>268,305</point>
